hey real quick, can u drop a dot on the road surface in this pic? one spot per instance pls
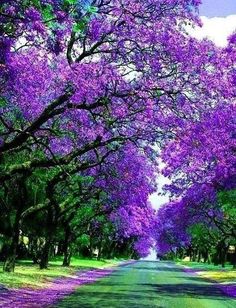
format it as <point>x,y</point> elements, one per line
<point>147,284</point>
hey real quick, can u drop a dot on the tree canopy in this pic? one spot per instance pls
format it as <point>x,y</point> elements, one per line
<point>88,90</point>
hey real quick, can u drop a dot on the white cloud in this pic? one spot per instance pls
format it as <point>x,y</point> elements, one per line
<point>216,29</point>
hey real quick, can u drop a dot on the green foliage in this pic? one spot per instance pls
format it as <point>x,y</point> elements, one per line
<point>3,102</point>
<point>227,199</point>
<point>70,2</point>
<point>92,9</point>
<point>83,240</point>
<point>81,25</point>
<point>47,12</point>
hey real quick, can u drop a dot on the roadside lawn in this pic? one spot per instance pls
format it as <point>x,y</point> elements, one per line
<point>28,275</point>
<point>210,271</point>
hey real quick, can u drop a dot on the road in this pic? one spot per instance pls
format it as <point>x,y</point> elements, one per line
<point>149,284</point>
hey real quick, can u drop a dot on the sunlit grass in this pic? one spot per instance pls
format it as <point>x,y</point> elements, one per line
<point>29,275</point>
<point>221,276</point>
<point>210,271</point>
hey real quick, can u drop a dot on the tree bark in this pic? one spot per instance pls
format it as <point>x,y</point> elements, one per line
<point>209,259</point>
<point>234,258</point>
<point>45,254</point>
<point>99,249</point>
<point>67,249</point>
<point>9,264</point>
<point>44,259</point>
<point>190,254</point>
<point>194,255</point>
<point>67,258</point>
<point>223,252</point>
<point>199,256</point>
<point>33,248</point>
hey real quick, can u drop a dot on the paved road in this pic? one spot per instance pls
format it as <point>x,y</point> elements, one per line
<point>149,284</point>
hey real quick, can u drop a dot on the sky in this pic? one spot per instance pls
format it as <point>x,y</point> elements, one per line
<point>218,8</point>
<point>219,21</point>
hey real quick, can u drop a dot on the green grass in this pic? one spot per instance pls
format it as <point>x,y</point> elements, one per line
<point>84,263</point>
<point>205,266</point>
<point>210,271</point>
<point>29,275</point>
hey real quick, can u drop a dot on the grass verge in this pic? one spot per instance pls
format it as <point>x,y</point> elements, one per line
<point>210,271</point>
<point>28,275</point>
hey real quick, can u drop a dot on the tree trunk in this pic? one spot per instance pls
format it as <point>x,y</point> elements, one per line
<point>90,246</point>
<point>60,251</point>
<point>111,251</point>
<point>194,255</point>
<point>67,250</point>
<point>234,258</point>
<point>33,249</point>
<point>190,254</point>
<point>222,258</point>
<point>217,255</point>
<point>67,258</point>
<point>99,249</point>
<point>199,256</point>
<point>43,264</point>
<point>182,254</point>
<point>9,264</point>
<point>223,252</point>
<point>209,258</point>
<point>45,254</point>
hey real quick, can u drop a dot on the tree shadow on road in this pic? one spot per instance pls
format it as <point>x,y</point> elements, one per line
<point>144,295</point>
<point>159,269</point>
<point>200,291</point>
<point>108,300</point>
<point>120,293</point>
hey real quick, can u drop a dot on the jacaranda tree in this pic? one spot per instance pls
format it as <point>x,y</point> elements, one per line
<point>82,79</point>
